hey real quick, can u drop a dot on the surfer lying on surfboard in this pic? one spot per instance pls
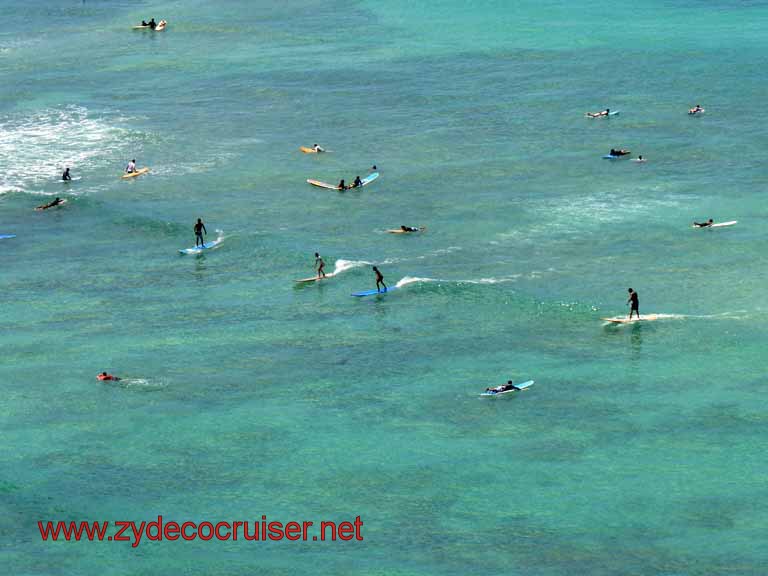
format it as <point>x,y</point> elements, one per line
<point>605,112</point>
<point>696,109</point>
<point>618,152</point>
<point>50,204</point>
<point>706,224</point>
<point>503,388</point>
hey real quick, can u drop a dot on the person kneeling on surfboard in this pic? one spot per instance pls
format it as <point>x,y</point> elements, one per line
<point>635,304</point>
<point>319,265</point>
<point>131,168</point>
<point>706,224</point>
<point>379,280</point>
<point>503,388</point>
<point>199,229</point>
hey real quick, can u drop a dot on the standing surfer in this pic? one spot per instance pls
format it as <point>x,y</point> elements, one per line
<point>319,265</point>
<point>199,229</point>
<point>634,304</point>
<point>379,280</point>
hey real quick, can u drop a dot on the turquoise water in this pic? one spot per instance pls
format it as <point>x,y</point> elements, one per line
<point>638,450</point>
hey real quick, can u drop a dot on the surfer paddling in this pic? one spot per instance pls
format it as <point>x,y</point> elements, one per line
<point>503,388</point>
<point>199,229</point>
<point>319,265</point>
<point>634,303</point>
<point>379,280</point>
<point>706,224</point>
<point>317,148</point>
<point>56,202</point>
<point>605,112</point>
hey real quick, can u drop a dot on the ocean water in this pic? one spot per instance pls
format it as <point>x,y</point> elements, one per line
<point>637,451</point>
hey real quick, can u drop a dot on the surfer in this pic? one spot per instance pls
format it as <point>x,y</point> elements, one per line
<point>379,280</point>
<point>50,204</point>
<point>357,182</point>
<point>619,152</point>
<point>131,168</point>
<point>374,168</point>
<point>634,304</point>
<point>317,148</point>
<point>696,109</point>
<point>199,229</point>
<point>66,176</point>
<point>409,229</point>
<point>706,224</point>
<point>503,388</point>
<point>104,376</point>
<point>342,185</point>
<point>319,265</point>
<point>605,112</point>
<point>152,24</point>
<point>640,158</point>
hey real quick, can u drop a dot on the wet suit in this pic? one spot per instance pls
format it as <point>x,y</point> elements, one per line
<point>199,228</point>
<point>66,175</point>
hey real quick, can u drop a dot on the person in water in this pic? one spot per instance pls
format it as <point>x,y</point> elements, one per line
<point>503,388</point>
<point>319,265</point>
<point>409,229</point>
<point>374,168</point>
<point>706,224</point>
<point>379,280</point>
<point>199,229</point>
<point>695,110</point>
<point>357,182</point>
<point>50,204</point>
<point>104,376</point>
<point>634,304</point>
<point>317,148</point>
<point>342,185</point>
<point>640,158</point>
<point>152,24</point>
<point>66,175</point>
<point>131,168</point>
<point>605,112</point>
<point>619,152</point>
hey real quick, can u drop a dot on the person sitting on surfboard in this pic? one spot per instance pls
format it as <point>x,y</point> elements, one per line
<point>640,158</point>
<point>379,280</point>
<point>503,388</point>
<point>706,224</point>
<point>635,304</point>
<point>131,168</point>
<point>66,175</point>
<point>104,376</point>
<point>342,185</point>
<point>317,148</point>
<point>605,112</point>
<point>199,229</point>
<point>357,182</point>
<point>50,204</point>
<point>319,265</point>
<point>152,24</point>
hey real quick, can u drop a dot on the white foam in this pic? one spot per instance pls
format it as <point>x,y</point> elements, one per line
<point>344,265</point>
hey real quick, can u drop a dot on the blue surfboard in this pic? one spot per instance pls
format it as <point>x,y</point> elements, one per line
<point>374,292</point>
<point>4,236</point>
<point>198,249</point>
<point>522,387</point>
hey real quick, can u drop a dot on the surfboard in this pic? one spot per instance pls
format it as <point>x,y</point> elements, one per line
<point>315,278</point>
<point>373,292</point>
<point>401,231</point>
<point>523,386</point>
<point>363,182</point>
<point>718,224</point>
<point>44,207</point>
<point>693,112</point>
<point>140,27</point>
<point>198,249</point>
<point>625,320</point>
<point>6,236</point>
<point>137,173</point>
<point>161,26</point>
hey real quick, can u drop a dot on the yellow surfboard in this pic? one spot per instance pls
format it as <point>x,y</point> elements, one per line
<point>137,173</point>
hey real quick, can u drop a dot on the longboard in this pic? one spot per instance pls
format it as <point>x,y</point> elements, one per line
<point>625,320</point>
<point>140,27</point>
<point>44,207</point>
<point>161,26</point>
<point>6,236</point>
<point>316,278</point>
<point>401,231</point>
<point>718,224</point>
<point>137,173</point>
<point>198,249</point>
<point>363,182</point>
<point>373,292</point>
<point>522,387</point>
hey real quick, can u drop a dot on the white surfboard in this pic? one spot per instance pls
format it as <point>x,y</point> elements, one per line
<point>626,320</point>
<point>198,249</point>
<point>523,386</point>
<point>315,278</point>
<point>718,224</point>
